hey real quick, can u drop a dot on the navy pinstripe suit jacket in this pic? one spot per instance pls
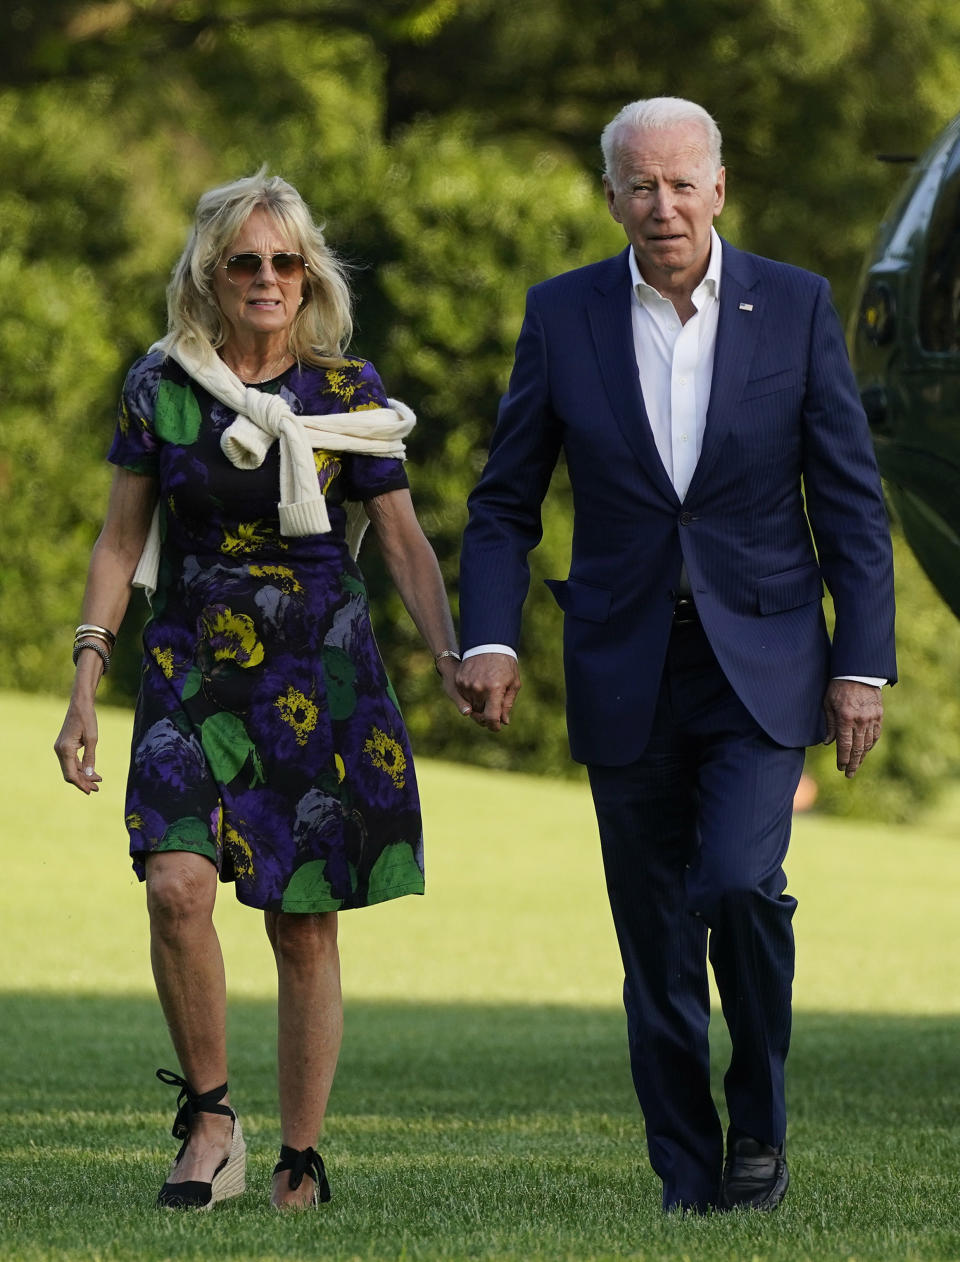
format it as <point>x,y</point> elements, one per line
<point>785,497</point>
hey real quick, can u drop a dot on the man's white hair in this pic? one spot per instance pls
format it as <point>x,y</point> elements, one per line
<point>655,113</point>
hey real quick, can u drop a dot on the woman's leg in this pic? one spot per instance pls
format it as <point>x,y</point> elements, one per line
<point>188,970</point>
<point>309,1029</point>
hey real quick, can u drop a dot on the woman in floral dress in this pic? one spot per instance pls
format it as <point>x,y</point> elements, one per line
<point>268,745</point>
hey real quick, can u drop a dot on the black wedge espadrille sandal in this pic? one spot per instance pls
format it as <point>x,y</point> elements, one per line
<point>229,1178</point>
<point>300,1162</point>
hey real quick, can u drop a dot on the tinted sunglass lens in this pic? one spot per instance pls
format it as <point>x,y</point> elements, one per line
<point>288,266</point>
<point>243,267</point>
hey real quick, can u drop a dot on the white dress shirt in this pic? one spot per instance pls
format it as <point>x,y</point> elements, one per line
<point>675,363</point>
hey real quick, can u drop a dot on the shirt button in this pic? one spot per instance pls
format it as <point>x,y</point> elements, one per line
<point>683,438</point>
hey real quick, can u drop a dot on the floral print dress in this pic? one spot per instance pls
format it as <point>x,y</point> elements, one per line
<point>267,736</point>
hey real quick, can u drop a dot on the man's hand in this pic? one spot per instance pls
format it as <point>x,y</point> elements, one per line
<point>854,714</point>
<point>490,683</point>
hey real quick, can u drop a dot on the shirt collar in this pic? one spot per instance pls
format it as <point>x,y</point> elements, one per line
<point>709,285</point>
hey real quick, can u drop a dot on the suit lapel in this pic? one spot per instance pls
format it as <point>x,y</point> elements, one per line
<point>738,328</point>
<point>608,309</point>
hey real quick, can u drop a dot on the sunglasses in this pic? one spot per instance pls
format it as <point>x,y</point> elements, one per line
<point>243,268</point>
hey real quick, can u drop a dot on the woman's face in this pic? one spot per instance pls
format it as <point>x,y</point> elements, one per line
<point>264,305</point>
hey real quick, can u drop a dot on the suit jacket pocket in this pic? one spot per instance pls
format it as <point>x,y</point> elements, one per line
<point>790,589</point>
<point>580,600</point>
<point>760,386</point>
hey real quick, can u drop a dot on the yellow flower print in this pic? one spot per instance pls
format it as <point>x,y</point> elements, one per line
<point>328,466</point>
<point>384,752</point>
<point>341,769</point>
<point>280,576</point>
<point>247,538</point>
<point>231,635</point>
<point>299,712</point>
<point>366,407</point>
<point>343,384</point>
<point>164,659</point>
<point>124,420</point>
<point>239,850</point>
<point>134,821</point>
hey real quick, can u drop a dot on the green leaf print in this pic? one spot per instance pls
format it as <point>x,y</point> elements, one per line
<point>340,673</point>
<point>176,417</point>
<point>188,833</point>
<point>394,871</point>
<point>258,777</point>
<point>350,583</point>
<point>192,683</point>
<point>227,745</point>
<point>309,890</point>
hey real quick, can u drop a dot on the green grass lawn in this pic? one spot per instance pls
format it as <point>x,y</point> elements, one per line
<point>483,1106</point>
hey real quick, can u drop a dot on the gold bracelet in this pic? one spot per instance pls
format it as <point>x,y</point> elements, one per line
<point>94,635</point>
<point>104,632</point>
<point>438,657</point>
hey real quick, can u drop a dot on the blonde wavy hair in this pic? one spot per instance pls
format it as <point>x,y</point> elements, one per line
<point>323,325</point>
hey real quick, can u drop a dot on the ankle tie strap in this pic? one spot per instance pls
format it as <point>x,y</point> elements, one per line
<point>300,1162</point>
<point>190,1102</point>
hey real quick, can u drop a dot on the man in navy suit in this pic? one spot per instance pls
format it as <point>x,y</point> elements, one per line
<point>722,472</point>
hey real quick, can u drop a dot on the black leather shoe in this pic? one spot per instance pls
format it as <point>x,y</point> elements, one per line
<point>755,1176</point>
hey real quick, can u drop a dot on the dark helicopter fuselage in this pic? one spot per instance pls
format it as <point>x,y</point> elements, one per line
<point>905,345</point>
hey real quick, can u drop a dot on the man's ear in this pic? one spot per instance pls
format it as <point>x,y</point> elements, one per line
<point>720,191</point>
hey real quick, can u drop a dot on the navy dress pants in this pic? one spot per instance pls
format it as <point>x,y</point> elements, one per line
<point>694,835</point>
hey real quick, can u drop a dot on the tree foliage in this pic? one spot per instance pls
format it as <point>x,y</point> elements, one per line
<point>451,147</point>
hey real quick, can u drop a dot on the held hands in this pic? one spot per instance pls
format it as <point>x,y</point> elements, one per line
<point>854,714</point>
<point>488,684</point>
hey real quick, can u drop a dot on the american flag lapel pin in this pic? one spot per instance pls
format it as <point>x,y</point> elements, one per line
<point>746,306</point>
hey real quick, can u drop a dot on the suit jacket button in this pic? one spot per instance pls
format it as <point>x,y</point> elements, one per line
<point>686,519</point>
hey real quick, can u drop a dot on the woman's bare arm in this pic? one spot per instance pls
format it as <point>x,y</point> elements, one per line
<point>412,565</point>
<point>105,599</point>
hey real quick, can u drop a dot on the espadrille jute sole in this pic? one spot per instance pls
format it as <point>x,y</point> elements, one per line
<point>230,1180</point>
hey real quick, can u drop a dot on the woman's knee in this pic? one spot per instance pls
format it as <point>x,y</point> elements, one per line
<point>181,890</point>
<point>301,938</point>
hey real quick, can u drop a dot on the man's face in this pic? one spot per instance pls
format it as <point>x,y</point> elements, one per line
<point>666,194</point>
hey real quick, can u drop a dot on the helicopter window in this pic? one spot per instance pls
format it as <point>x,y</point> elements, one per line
<point>939,321</point>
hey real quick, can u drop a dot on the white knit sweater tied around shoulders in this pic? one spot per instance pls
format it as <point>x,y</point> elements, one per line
<point>263,419</point>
